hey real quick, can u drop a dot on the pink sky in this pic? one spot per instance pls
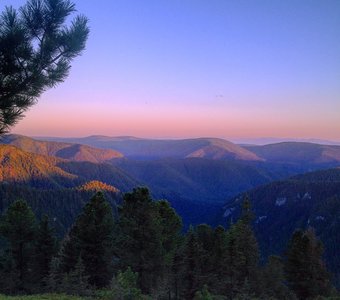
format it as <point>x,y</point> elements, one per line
<point>227,69</point>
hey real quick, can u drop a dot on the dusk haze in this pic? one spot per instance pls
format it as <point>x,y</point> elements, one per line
<point>180,69</point>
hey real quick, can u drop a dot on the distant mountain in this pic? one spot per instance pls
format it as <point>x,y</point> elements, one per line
<point>75,152</point>
<point>311,199</point>
<point>40,171</point>
<point>297,152</point>
<point>137,148</point>
<point>272,140</point>
<point>197,182</point>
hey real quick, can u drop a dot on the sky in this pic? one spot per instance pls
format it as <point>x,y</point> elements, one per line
<point>193,68</point>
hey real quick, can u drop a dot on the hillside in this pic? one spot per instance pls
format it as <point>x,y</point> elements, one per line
<point>137,148</point>
<point>298,152</point>
<point>20,167</point>
<point>312,199</point>
<point>61,205</point>
<point>74,152</point>
<point>201,179</point>
<point>35,170</point>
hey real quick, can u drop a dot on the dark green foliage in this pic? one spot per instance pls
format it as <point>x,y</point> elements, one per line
<point>54,279</point>
<point>76,281</point>
<point>305,270</point>
<point>45,249</point>
<point>191,265</point>
<point>70,250</point>
<point>273,277</point>
<point>125,287</point>
<point>138,243</point>
<point>62,206</point>
<point>91,238</point>
<point>9,276</point>
<point>311,199</point>
<point>18,227</point>
<point>159,261</point>
<point>36,49</point>
<point>203,295</point>
<point>219,263</point>
<point>242,254</point>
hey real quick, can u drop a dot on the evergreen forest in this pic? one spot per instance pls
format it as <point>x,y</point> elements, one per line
<point>142,252</point>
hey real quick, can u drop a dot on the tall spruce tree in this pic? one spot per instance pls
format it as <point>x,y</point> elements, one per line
<point>305,270</point>
<point>45,249</point>
<point>191,265</point>
<point>274,280</point>
<point>205,238</point>
<point>18,227</point>
<point>91,239</point>
<point>139,242</point>
<point>170,227</point>
<point>218,261</point>
<point>242,253</point>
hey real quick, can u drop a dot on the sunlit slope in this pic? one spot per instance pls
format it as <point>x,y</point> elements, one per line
<point>25,168</point>
<point>75,152</point>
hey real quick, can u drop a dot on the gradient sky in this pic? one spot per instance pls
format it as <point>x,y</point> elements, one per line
<point>190,68</point>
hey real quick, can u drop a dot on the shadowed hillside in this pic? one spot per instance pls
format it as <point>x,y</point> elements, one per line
<point>311,199</point>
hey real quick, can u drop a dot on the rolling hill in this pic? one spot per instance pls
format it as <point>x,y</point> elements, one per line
<point>195,186</point>
<point>40,171</point>
<point>74,152</point>
<point>311,199</point>
<point>136,148</point>
<point>298,152</point>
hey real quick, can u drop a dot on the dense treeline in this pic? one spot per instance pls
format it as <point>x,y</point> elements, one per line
<point>61,205</point>
<point>143,254</point>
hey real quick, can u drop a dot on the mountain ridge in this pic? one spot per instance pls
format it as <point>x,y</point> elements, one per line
<point>139,148</point>
<point>70,151</point>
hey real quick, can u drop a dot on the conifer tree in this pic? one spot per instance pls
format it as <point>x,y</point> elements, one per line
<point>36,49</point>
<point>76,282</point>
<point>70,250</point>
<point>45,249</point>
<point>18,226</point>
<point>125,286</point>
<point>55,276</point>
<point>91,237</point>
<point>191,265</point>
<point>242,253</point>
<point>139,242</point>
<point>170,225</point>
<point>305,270</point>
<point>273,277</point>
<point>219,261</point>
<point>205,239</point>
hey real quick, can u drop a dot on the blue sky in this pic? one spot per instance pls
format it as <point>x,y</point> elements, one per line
<point>197,68</point>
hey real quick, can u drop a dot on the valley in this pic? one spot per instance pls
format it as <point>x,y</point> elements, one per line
<point>290,185</point>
